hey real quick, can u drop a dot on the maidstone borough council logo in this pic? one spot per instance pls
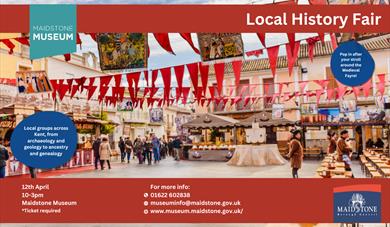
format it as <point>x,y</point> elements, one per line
<point>357,203</point>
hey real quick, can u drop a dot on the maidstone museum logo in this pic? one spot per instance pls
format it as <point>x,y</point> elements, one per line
<point>357,203</point>
<point>52,30</point>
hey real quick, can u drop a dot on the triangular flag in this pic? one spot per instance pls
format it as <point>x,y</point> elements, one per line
<point>193,71</point>
<point>163,40</point>
<point>292,56</point>
<point>204,75</point>
<point>187,37</point>
<point>166,76</point>
<point>291,42</point>
<point>237,65</point>
<point>154,77</point>
<point>219,69</point>
<point>273,58</point>
<point>261,37</point>
<point>185,92</point>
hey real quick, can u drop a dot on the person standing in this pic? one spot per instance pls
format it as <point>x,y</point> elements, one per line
<point>121,146</point>
<point>344,151</point>
<point>176,144</point>
<point>95,148</point>
<point>332,142</point>
<point>296,152</point>
<point>170,147</point>
<point>105,153</point>
<point>156,149</point>
<point>4,156</point>
<point>129,147</point>
<point>138,149</point>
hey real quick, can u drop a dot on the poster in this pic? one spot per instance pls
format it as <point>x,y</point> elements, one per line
<point>156,115</point>
<point>125,105</point>
<point>347,106</point>
<point>309,108</point>
<point>220,46</point>
<point>31,82</point>
<point>122,51</point>
<point>277,111</point>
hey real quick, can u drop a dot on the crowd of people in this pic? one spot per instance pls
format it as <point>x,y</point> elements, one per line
<point>148,150</point>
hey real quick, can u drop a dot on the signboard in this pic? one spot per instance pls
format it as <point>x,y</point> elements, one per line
<point>156,115</point>
<point>277,111</point>
<point>309,108</point>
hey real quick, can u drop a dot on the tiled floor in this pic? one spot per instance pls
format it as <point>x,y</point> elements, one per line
<point>201,169</point>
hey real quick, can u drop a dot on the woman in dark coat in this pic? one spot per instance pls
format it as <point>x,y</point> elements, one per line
<point>295,152</point>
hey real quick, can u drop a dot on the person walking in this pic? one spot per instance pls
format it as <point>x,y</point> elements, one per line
<point>344,151</point>
<point>156,149</point>
<point>95,147</point>
<point>176,145</point>
<point>105,153</point>
<point>296,152</point>
<point>122,146</point>
<point>138,149</point>
<point>332,136</point>
<point>4,156</point>
<point>129,148</point>
<point>147,145</point>
<point>170,147</point>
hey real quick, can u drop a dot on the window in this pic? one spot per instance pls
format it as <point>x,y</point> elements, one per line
<point>218,107</point>
<point>240,104</point>
<point>269,90</point>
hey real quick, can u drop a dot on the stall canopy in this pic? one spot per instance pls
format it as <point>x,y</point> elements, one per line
<point>265,120</point>
<point>211,121</point>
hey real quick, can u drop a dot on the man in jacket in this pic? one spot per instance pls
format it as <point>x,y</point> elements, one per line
<point>176,144</point>
<point>156,148</point>
<point>4,156</point>
<point>344,152</point>
<point>95,148</point>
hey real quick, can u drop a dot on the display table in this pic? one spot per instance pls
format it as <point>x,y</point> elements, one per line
<point>209,155</point>
<point>257,155</point>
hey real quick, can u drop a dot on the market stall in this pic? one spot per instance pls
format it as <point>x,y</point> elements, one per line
<point>213,137</point>
<point>261,137</point>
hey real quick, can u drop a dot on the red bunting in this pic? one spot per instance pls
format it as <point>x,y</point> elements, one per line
<point>23,40</point>
<point>246,100</point>
<point>103,88</point>
<point>118,78</point>
<point>198,93</point>
<point>318,95</point>
<point>367,88</point>
<point>91,88</point>
<point>154,77</point>
<point>340,90</point>
<point>9,44</point>
<point>74,88</point>
<point>166,76</point>
<point>356,91</point>
<point>153,91</point>
<point>185,92</point>
<point>141,103</point>
<point>237,65</point>
<point>256,53</point>
<point>212,92</point>
<point>291,42</point>
<point>273,58</point>
<point>80,83</point>
<point>261,37</point>
<point>219,69</point>
<point>193,70</point>
<point>179,72</point>
<point>311,42</point>
<point>292,56</point>
<point>146,77</point>
<point>330,93</point>
<point>322,37</point>
<point>333,41</point>
<point>163,40</point>
<point>204,75</point>
<point>54,85</point>
<point>78,40</point>
<point>187,37</point>
<point>322,83</point>
<point>302,85</point>
<point>118,92</point>
<point>67,57</point>
<point>93,35</point>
